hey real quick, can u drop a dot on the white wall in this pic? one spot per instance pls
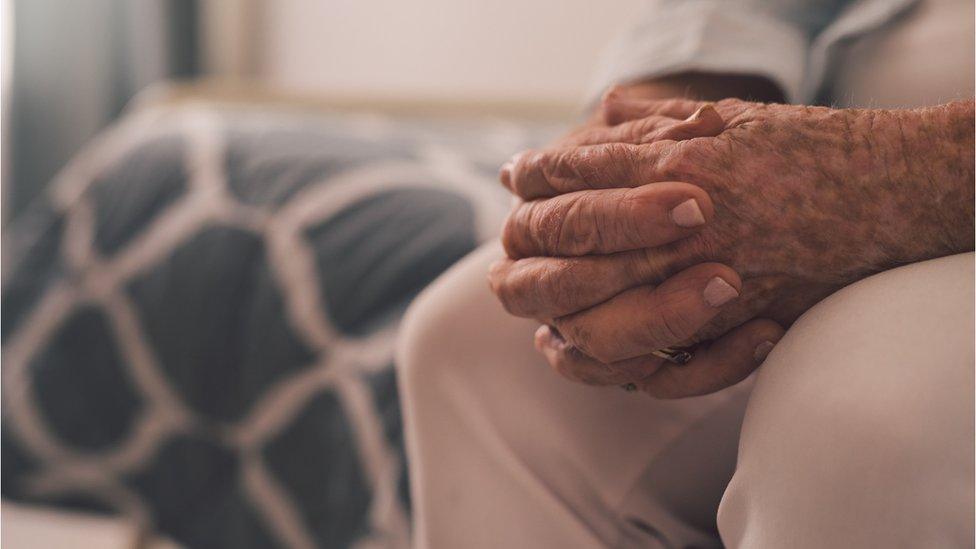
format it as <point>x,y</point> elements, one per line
<point>467,50</point>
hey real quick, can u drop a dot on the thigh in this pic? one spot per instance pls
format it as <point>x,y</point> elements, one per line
<point>859,432</point>
<point>505,452</point>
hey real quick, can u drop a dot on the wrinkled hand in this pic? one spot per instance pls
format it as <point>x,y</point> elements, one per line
<point>679,223</point>
<point>624,103</point>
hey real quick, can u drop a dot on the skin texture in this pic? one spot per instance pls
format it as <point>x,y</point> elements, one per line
<point>798,202</point>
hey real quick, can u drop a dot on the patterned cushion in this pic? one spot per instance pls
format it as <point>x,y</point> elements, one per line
<point>198,319</point>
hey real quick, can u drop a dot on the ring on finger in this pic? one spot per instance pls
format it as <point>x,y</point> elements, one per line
<point>674,355</point>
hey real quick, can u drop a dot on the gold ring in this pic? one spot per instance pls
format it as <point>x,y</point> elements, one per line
<point>672,355</point>
<point>677,356</point>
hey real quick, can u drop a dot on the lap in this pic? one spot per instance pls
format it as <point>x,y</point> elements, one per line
<point>462,355</point>
<point>870,392</point>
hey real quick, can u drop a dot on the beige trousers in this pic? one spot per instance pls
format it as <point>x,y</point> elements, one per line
<point>857,431</point>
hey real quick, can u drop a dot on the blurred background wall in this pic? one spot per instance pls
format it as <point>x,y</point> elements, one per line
<point>77,63</point>
<point>540,50</point>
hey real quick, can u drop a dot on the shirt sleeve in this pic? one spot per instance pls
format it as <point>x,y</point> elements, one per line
<point>765,38</point>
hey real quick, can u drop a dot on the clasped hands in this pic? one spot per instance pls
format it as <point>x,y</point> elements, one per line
<point>681,223</point>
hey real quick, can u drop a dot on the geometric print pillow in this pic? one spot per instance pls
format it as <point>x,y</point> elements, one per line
<point>199,314</point>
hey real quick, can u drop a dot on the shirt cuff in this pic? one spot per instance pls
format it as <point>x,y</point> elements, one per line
<point>707,36</point>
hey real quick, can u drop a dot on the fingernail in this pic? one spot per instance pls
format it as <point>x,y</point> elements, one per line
<point>702,111</point>
<point>719,292</point>
<point>762,351</point>
<point>687,214</point>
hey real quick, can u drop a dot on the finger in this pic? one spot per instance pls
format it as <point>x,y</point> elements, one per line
<point>534,174</point>
<point>622,109</point>
<point>717,365</point>
<point>539,174</point>
<point>550,287</point>
<point>629,132</point>
<point>606,221</point>
<point>589,132</point>
<point>576,366</point>
<point>644,319</point>
<point>704,122</point>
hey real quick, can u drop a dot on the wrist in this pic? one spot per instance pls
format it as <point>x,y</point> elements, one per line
<point>943,138</point>
<point>923,162</point>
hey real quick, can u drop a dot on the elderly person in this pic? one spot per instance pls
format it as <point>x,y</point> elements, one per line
<point>670,246</point>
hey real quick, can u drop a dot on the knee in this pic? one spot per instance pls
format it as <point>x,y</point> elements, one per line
<point>428,324</point>
<point>852,470</point>
<point>860,422</point>
<point>447,326</point>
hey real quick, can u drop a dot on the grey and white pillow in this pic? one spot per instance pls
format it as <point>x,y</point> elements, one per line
<point>198,318</point>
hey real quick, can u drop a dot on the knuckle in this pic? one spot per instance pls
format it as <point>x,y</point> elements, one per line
<point>627,223</point>
<point>591,345</point>
<point>558,168</point>
<point>506,290</point>
<point>640,129</point>
<point>620,152</point>
<point>537,294</point>
<point>673,326</point>
<point>555,284</point>
<point>639,202</point>
<point>625,164</point>
<point>512,232</point>
<point>679,163</point>
<point>577,231</point>
<point>497,274</point>
<point>611,96</point>
<point>577,333</point>
<point>535,160</point>
<point>527,163</point>
<point>733,111</point>
<point>547,225</point>
<point>655,129</point>
<point>578,164</point>
<point>564,226</point>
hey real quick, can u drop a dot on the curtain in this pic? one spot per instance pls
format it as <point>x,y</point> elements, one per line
<point>75,65</point>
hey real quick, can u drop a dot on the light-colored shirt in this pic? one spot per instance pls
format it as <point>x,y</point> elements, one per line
<point>794,43</point>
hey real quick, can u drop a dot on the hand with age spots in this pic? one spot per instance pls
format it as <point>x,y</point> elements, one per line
<point>678,223</point>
